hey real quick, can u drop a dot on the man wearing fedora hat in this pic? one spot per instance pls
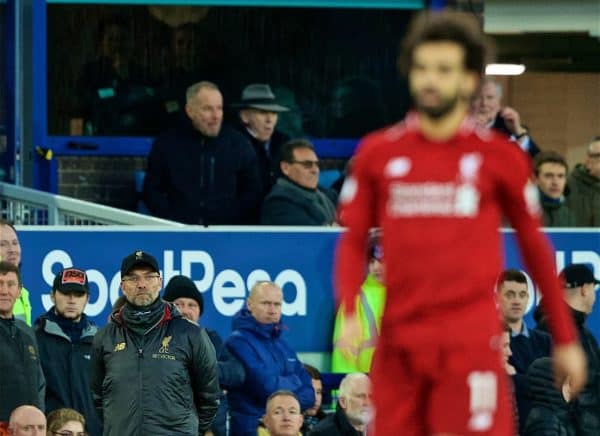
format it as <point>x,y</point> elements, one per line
<point>202,172</point>
<point>259,113</point>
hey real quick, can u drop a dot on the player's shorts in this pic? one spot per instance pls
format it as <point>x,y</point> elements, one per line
<point>427,390</point>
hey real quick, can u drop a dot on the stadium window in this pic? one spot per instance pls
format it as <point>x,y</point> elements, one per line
<point>122,70</point>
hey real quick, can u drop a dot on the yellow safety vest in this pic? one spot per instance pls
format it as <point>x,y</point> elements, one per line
<point>22,307</point>
<point>369,307</point>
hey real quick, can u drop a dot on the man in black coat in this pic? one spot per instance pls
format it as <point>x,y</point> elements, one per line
<point>259,112</point>
<point>201,172</point>
<point>65,336</point>
<point>580,294</point>
<point>354,410</point>
<point>506,120</point>
<point>21,378</point>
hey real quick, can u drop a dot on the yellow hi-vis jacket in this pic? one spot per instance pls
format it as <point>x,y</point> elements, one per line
<point>369,309</point>
<point>22,307</point>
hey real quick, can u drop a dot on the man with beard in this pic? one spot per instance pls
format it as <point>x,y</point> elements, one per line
<point>438,188</point>
<point>354,411</point>
<point>153,371</point>
<point>65,336</point>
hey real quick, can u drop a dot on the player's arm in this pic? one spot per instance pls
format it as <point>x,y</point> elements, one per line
<point>356,212</point>
<point>520,203</point>
<point>357,205</point>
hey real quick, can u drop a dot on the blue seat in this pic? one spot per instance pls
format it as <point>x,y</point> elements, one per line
<point>327,177</point>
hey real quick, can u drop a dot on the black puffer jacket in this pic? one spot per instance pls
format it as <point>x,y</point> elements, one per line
<point>166,385</point>
<point>21,377</point>
<point>587,404</point>
<point>550,414</point>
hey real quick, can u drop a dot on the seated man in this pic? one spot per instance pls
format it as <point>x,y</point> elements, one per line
<point>369,306</point>
<point>269,361</point>
<point>259,113</point>
<point>283,416</point>
<point>584,183</point>
<point>27,421</point>
<point>201,172</point>
<point>354,411</point>
<point>550,176</point>
<point>296,199</point>
<point>491,114</point>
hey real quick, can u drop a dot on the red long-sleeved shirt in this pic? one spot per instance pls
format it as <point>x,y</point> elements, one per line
<point>440,205</point>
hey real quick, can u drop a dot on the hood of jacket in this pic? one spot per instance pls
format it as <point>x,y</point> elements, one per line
<point>46,324</point>
<point>581,174</point>
<point>243,320</point>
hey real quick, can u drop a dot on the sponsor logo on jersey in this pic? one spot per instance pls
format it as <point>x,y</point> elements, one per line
<point>459,198</point>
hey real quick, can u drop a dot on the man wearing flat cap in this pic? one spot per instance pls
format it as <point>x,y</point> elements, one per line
<point>259,112</point>
<point>580,294</point>
<point>64,335</point>
<point>153,371</point>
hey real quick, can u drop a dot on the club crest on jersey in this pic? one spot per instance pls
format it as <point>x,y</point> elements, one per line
<point>349,189</point>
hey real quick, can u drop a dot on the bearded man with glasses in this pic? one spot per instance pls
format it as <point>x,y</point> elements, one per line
<point>153,372</point>
<point>296,199</point>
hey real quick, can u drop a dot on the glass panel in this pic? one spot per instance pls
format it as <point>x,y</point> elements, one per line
<point>123,70</point>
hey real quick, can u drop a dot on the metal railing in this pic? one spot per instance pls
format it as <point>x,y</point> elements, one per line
<point>27,206</point>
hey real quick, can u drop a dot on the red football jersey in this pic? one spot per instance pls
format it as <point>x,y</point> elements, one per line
<point>440,205</point>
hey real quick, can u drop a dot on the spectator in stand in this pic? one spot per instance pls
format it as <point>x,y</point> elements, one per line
<point>551,413</point>
<point>21,377</point>
<point>269,361</point>
<point>152,371</point>
<point>183,293</point>
<point>584,184</point>
<point>201,172</point>
<point>66,422</point>
<point>551,179</point>
<point>259,113</point>
<point>490,113</point>
<point>369,306</point>
<point>27,420</point>
<point>10,251</point>
<point>314,415</point>
<point>64,335</point>
<point>354,411</point>
<point>296,199</point>
<point>526,345</point>
<point>282,416</point>
<point>580,294</point>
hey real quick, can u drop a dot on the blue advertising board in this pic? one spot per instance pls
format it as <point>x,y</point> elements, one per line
<point>225,263</point>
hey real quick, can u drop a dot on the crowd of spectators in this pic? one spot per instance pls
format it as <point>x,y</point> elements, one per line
<point>154,368</point>
<point>204,172</point>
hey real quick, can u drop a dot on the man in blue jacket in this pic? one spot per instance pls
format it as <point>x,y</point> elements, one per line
<point>270,363</point>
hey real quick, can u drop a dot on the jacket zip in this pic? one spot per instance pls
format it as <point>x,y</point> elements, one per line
<point>212,172</point>
<point>140,385</point>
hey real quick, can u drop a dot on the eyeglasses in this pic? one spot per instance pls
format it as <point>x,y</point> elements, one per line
<point>69,433</point>
<point>148,278</point>
<point>308,164</point>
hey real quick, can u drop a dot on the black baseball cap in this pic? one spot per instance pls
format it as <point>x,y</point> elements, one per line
<point>577,274</point>
<point>71,280</point>
<point>138,258</point>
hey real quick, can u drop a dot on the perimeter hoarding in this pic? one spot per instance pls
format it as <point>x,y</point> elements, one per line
<point>225,263</point>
